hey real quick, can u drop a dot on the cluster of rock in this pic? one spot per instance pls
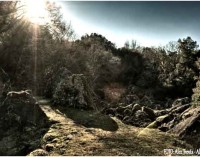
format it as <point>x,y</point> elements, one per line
<point>74,91</point>
<point>22,123</point>
<point>181,119</point>
<point>168,118</point>
<point>132,114</point>
<point>146,97</point>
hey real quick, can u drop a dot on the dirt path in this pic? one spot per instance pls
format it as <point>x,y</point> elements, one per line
<point>76,132</point>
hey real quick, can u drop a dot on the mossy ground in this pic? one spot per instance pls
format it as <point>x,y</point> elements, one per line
<point>76,132</point>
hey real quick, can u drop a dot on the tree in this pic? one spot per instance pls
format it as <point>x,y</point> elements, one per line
<point>60,29</point>
<point>14,38</point>
<point>7,18</point>
<point>196,94</point>
<point>127,44</point>
<point>172,47</point>
<point>188,53</point>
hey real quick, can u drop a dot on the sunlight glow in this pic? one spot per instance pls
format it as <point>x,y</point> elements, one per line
<point>35,11</point>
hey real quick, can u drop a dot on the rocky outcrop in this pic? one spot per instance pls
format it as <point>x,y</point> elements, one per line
<point>186,120</point>
<point>181,120</point>
<point>74,91</point>
<point>22,122</point>
<point>132,114</point>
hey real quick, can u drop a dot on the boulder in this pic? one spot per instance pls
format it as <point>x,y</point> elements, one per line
<point>38,152</point>
<point>183,121</point>
<point>136,107</point>
<point>187,122</point>
<point>162,122</point>
<point>74,91</point>
<point>163,119</point>
<point>140,119</point>
<point>153,125</point>
<point>179,109</point>
<point>149,112</point>
<point>159,113</point>
<point>181,101</point>
<point>22,123</point>
<point>24,107</point>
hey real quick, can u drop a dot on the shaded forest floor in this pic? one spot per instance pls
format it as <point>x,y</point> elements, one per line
<point>78,132</point>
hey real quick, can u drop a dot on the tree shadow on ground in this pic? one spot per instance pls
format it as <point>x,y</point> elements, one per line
<point>89,119</point>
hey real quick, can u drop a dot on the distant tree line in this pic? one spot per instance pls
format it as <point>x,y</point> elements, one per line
<point>170,71</point>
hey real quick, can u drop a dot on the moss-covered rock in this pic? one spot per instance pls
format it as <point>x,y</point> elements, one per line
<point>22,123</point>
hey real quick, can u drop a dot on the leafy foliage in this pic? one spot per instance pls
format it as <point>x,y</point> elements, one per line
<point>53,54</point>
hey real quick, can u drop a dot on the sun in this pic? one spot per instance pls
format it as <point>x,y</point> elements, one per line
<point>35,11</point>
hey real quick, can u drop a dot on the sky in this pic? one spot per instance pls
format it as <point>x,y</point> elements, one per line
<point>150,23</point>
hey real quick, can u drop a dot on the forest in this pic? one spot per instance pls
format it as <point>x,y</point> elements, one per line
<point>60,95</point>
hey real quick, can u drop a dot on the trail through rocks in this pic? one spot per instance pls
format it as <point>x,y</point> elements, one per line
<point>79,132</point>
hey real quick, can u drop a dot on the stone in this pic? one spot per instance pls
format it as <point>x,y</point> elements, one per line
<point>130,106</point>
<point>24,108</point>
<point>179,109</point>
<point>127,112</point>
<point>187,121</point>
<point>48,137</point>
<point>136,107</point>
<point>163,119</point>
<point>159,113</point>
<point>55,140</point>
<point>149,112</point>
<point>69,137</point>
<point>181,101</point>
<point>38,152</point>
<point>49,147</point>
<point>140,119</point>
<point>153,125</point>
<point>21,120</point>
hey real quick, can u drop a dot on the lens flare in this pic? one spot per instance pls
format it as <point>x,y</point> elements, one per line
<point>36,11</point>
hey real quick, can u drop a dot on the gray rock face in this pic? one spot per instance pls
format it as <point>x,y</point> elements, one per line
<point>23,107</point>
<point>188,126</point>
<point>181,120</point>
<point>22,122</point>
<point>186,120</point>
<point>74,91</point>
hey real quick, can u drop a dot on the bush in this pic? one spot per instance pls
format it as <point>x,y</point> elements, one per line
<point>74,91</point>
